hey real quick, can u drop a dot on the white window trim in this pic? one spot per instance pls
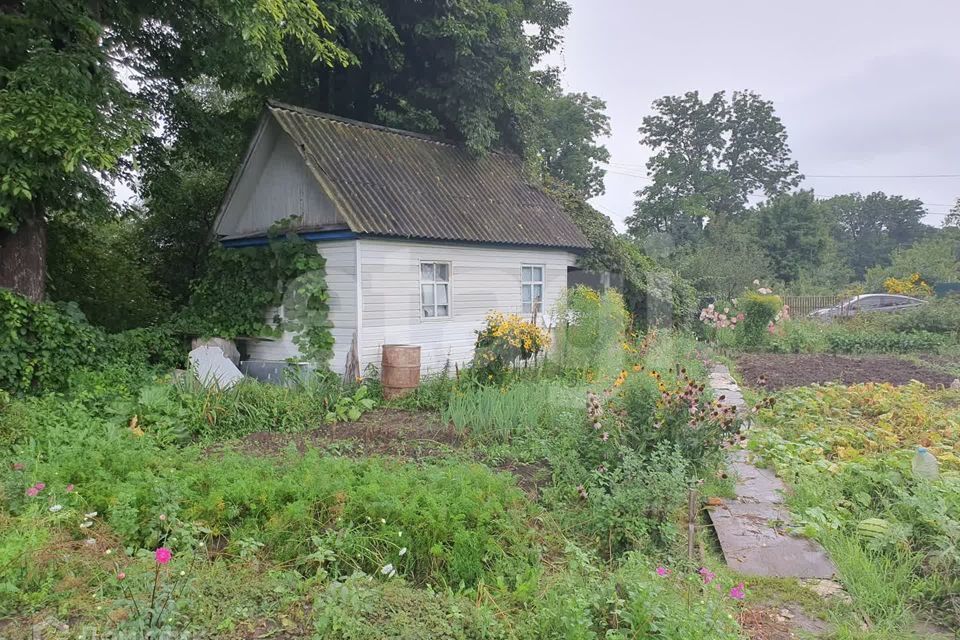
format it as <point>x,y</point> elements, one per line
<point>543,287</point>
<point>449,316</point>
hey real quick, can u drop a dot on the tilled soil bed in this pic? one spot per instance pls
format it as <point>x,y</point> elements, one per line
<point>779,370</point>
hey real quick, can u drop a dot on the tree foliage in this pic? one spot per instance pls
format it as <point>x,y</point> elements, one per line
<point>725,264</point>
<point>869,229</point>
<point>709,156</point>
<point>791,228</point>
<point>561,135</point>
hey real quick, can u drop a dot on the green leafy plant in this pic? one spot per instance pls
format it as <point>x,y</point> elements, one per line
<point>348,408</point>
<point>590,332</point>
<point>241,286</point>
<point>41,343</point>
<point>853,341</point>
<point>760,311</point>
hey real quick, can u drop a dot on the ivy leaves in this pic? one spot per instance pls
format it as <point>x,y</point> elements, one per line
<point>241,286</point>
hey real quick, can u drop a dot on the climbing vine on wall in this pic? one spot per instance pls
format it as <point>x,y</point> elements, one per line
<point>242,285</point>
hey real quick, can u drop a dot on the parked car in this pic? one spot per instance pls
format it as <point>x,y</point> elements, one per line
<point>868,303</point>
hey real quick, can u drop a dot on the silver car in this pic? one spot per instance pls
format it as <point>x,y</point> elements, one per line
<point>868,303</point>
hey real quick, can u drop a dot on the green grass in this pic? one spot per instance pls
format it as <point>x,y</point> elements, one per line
<point>882,584</point>
<point>304,541</point>
<point>493,415</point>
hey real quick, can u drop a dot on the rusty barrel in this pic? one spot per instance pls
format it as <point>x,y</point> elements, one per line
<point>400,369</point>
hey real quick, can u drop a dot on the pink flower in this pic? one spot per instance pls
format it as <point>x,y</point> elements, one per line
<point>162,555</point>
<point>663,571</point>
<point>582,491</point>
<point>121,576</point>
<point>707,575</point>
<point>40,486</point>
<point>32,492</point>
<point>737,592</point>
<point>69,488</point>
<point>605,436</point>
<point>19,466</point>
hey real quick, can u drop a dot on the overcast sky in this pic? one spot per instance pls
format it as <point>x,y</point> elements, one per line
<point>863,87</point>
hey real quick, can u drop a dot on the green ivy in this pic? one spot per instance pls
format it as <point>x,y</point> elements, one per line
<point>40,344</point>
<point>242,285</point>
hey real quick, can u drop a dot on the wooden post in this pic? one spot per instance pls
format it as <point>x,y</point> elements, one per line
<point>691,522</point>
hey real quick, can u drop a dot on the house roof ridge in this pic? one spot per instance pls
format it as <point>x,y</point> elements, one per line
<point>306,111</point>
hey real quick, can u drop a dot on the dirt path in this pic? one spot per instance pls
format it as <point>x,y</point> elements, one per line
<point>779,370</point>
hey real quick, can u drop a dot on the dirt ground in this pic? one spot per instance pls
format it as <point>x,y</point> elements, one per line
<point>412,435</point>
<point>776,371</point>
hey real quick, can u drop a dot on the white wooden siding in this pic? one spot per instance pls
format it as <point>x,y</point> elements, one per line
<point>482,279</point>
<point>341,280</point>
<point>275,184</point>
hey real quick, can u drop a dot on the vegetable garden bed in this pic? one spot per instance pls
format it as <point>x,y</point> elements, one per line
<point>778,370</point>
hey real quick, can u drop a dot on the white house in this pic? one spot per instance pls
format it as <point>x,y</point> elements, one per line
<point>421,239</point>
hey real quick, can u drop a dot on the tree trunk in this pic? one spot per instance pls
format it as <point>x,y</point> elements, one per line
<point>23,258</point>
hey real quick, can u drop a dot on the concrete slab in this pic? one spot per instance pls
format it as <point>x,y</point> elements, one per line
<point>752,528</point>
<point>212,368</point>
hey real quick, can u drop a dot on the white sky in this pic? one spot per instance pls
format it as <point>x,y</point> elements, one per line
<point>863,87</point>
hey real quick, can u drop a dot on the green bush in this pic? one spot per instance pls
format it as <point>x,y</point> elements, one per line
<point>158,346</point>
<point>854,342</point>
<point>635,504</point>
<point>759,311</point>
<point>632,602</point>
<point>591,330</point>
<point>936,316</point>
<point>41,343</point>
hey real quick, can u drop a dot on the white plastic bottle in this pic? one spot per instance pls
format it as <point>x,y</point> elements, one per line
<point>925,465</point>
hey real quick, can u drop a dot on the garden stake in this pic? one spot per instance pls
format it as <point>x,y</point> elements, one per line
<point>691,522</point>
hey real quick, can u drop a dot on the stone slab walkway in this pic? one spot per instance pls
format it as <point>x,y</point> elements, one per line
<point>752,528</point>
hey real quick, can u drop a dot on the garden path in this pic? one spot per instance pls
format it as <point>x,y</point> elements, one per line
<point>752,528</point>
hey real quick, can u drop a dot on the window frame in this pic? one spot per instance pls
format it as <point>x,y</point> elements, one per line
<point>434,282</point>
<point>543,287</point>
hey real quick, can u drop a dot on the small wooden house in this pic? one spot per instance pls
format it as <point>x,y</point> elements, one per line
<point>420,238</point>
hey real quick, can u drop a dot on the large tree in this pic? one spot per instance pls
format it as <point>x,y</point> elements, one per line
<point>709,156</point>
<point>792,229</point>
<point>868,230</point>
<point>67,118</point>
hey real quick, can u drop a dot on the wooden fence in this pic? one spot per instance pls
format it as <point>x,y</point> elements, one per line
<point>801,306</point>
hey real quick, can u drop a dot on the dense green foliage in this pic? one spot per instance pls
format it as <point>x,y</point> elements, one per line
<point>241,286</point>
<point>591,331</point>
<point>360,546</point>
<point>97,264</point>
<point>759,312</point>
<point>710,156</point>
<point>41,343</point>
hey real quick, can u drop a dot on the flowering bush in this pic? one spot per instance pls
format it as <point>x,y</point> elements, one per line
<point>912,286</point>
<point>677,410</point>
<point>713,318</point>
<point>504,341</point>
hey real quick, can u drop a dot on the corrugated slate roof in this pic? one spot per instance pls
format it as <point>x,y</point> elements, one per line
<point>396,183</point>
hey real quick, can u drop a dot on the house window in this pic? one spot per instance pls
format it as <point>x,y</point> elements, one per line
<point>531,288</point>
<point>435,289</point>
